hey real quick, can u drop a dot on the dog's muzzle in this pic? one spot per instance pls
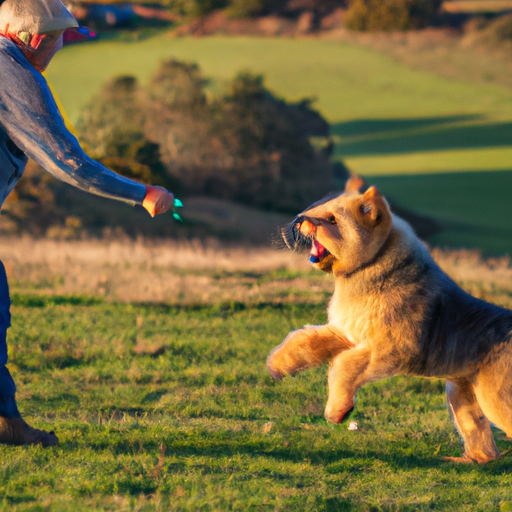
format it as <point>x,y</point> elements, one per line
<point>293,238</point>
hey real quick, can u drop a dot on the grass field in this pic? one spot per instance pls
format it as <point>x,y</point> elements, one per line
<point>388,118</point>
<point>168,406</point>
<point>351,82</point>
<point>148,358</point>
<point>163,408</point>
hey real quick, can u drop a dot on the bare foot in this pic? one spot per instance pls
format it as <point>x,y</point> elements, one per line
<point>15,431</point>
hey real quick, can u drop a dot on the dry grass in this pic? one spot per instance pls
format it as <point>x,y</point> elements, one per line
<point>167,271</point>
<point>488,279</point>
<point>203,271</point>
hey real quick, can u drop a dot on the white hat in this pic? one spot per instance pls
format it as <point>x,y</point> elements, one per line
<point>35,16</point>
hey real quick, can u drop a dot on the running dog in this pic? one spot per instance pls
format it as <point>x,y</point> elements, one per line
<point>395,312</point>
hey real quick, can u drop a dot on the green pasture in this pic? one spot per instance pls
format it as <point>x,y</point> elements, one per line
<point>474,207</point>
<point>387,119</point>
<point>352,84</point>
<point>164,408</point>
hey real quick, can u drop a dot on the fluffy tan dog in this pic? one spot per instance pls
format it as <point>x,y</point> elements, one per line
<point>395,312</point>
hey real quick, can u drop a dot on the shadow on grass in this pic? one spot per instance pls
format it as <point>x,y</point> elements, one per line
<point>392,136</point>
<point>335,460</point>
<point>41,301</point>
<point>367,127</point>
<point>474,208</point>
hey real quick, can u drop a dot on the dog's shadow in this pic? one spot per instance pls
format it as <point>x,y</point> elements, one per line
<point>334,460</point>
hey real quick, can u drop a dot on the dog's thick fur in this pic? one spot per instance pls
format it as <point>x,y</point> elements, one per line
<point>395,312</point>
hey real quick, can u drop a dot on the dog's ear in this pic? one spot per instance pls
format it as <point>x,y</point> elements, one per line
<point>373,207</point>
<point>356,184</point>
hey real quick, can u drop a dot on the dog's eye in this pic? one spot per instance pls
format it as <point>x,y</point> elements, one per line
<point>332,219</point>
<point>365,209</point>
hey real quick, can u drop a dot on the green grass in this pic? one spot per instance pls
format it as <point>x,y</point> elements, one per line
<point>388,119</point>
<point>169,408</point>
<point>473,207</point>
<point>349,81</point>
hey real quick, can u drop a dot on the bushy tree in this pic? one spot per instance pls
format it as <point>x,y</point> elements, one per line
<point>178,85</point>
<point>247,145</point>
<point>497,31</point>
<point>390,15</point>
<point>246,8</point>
<point>252,8</point>
<point>113,128</point>
<point>115,119</point>
<point>194,8</point>
<point>31,206</point>
<point>277,166</point>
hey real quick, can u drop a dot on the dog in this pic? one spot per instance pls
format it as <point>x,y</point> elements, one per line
<point>395,312</point>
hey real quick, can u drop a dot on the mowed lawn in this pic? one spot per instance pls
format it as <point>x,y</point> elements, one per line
<point>170,408</point>
<point>387,119</point>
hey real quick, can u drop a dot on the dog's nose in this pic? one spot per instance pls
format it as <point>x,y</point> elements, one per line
<point>306,227</point>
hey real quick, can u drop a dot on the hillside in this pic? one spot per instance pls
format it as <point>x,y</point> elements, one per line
<point>391,117</point>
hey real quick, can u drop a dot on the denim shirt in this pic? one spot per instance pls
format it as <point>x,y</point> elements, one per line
<point>32,126</point>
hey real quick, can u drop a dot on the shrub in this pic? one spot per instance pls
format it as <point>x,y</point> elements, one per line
<point>390,15</point>
<point>245,8</point>
<point>178,85</point>
<point>113,128</point>
<point>247,145</point>
<point>278,167</point>
<point>31,206</point>
<point>498,30</point>
<point>194,8</point>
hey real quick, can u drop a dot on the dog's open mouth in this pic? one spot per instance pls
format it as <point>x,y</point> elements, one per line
<point>318,252</point>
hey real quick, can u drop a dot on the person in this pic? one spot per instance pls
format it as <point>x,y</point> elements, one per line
<point>31,126</point>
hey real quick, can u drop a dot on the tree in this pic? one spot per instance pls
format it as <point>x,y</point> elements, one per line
<point>390,15</point>
<point>113,127</point>
<point>247,145</point>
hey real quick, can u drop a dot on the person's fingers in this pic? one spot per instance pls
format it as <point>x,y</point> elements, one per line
<point>158,200</point>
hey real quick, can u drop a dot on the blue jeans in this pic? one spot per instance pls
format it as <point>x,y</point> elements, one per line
<point>8,407</point>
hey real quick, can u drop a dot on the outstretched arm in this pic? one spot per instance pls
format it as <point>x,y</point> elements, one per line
<point>30,117</point>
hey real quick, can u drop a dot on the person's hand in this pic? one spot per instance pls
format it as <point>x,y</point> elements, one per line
<point>157,200</point>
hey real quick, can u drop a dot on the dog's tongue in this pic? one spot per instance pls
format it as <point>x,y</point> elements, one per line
<point>317,252</point>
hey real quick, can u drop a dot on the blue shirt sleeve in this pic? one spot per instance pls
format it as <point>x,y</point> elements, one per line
<point>30,117</point>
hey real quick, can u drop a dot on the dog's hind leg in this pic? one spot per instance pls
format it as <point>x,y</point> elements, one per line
<point>306,348</point>
<point>471,423</point>
<point>493,390</point>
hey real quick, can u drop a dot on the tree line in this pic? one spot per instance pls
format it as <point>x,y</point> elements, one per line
<point>365,15</point>
<point>245,145</point>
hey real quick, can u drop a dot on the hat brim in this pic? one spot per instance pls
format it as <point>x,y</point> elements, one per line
<point>77,34</point>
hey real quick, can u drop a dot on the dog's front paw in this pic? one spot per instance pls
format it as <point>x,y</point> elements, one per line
<point>273,370</point>
<point>337,415</point>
